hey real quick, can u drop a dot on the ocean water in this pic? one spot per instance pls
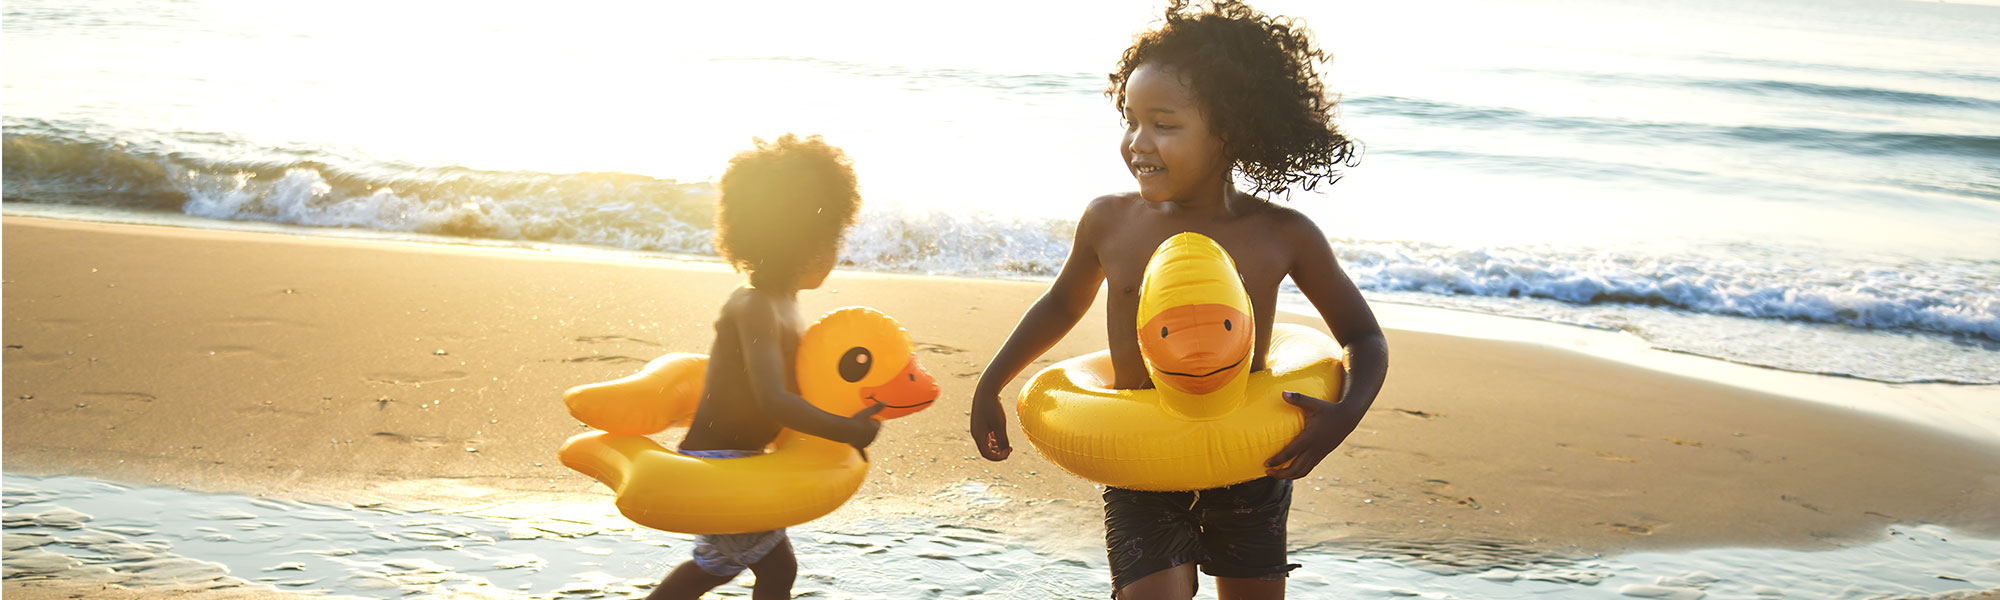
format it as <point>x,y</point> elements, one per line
<point>90,531</point>
<point>1810,186</point>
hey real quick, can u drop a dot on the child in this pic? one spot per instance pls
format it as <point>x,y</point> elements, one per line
<point>783,209</point>
<point>1207,96</point>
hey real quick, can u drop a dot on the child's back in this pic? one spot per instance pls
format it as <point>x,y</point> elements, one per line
<point>1208,96</point>
<point>780,217</point>
<point>730,416</point>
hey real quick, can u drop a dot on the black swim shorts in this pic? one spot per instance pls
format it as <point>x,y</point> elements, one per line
<point>1236,531</point>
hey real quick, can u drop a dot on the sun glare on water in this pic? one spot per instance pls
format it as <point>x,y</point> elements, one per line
<point>666,90</point>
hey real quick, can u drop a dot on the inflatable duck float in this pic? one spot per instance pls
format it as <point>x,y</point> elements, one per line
<point>1207,422</point>
<point>850,359</point>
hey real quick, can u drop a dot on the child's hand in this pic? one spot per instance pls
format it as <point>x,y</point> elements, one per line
<point>1326,427</point>
<point>989,429</point>
<point>865,428</point>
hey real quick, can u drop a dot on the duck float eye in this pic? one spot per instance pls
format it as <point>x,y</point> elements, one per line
<point>854,364</point>
<point>1208,421</point>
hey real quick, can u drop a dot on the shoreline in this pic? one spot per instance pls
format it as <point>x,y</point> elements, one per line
<point>1971,410</point>
<point>1942,404</point>
<point>417,374</point>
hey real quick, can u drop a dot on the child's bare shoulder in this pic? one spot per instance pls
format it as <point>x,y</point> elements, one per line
<point>1285,221</point>
<point>746,303</point>
<point>1106,212</point>
<point>1113,202</point>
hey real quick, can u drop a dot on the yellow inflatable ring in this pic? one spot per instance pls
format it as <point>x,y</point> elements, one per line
<point>1206,423</point>
<point>848,360</point>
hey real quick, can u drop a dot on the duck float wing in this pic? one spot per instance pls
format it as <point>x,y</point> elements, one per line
<point>803,479</point>
<point>664,393</point>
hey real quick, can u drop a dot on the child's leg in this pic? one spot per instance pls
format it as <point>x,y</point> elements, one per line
<point>1175,583</point>
<point>1237,588</point>
<point>1243,537</point>
<point>775,573</point>
<point>1153,542</point>
<point>718,559</point>
<point>686,582</point>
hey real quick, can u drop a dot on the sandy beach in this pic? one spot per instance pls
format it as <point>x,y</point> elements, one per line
<point>413,375</point>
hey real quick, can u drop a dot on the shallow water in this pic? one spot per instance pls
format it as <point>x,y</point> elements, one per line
<point>83,529</point>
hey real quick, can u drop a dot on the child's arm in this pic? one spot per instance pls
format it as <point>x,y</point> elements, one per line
<point>758,331</point>
<point>1366,359</point>
<point>1045,323</point>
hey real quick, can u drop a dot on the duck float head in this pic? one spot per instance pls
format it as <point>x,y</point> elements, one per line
<point>1195,328</point>
<point>858,357</point>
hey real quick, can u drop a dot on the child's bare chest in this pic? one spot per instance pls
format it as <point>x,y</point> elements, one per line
<point>1260,257</point>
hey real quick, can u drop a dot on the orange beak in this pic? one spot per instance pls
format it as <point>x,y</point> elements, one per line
<point>909,391</point>
<point>1197,348</point>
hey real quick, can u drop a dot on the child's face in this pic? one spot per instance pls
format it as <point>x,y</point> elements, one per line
<point>1168,146</point>
<point>815,274</point>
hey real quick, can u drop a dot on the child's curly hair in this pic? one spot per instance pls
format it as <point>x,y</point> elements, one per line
<point>784,204</point>
<point>1253,74</point>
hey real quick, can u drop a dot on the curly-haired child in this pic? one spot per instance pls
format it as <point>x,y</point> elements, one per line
<point>783,209</point>
<point>1209,96</point>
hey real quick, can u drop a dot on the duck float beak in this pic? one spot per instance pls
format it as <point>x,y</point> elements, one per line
<point>1197,348</point>
<point>911,390</point>
<point>1195,330</point>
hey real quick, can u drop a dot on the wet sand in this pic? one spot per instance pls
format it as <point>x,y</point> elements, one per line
<point>415,376</point>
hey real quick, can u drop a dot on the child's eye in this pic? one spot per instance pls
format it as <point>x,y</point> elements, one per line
<point>1165,126</point>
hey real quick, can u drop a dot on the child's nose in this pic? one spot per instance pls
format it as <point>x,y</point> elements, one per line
<point>1138,142</point>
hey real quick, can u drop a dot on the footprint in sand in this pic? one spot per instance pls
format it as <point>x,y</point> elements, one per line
<point>1627,529</point>
<point>937,348</point>
<point>124,396</point>
<point>1353,450</point>
<point>1610,456</point>
<point>615,358</point>
<point>1801,503</point>
<point>1444,486</point>
<point>1425,415</point>
<point>412,379</point>
<point>1614,457</point>
<point>593,339</point>
<point>25,357</point>
<point>261,322</point>
<point>60,323</point>
<point>421,441</point>
<point>239,351</point>
<point>1669,439</point>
